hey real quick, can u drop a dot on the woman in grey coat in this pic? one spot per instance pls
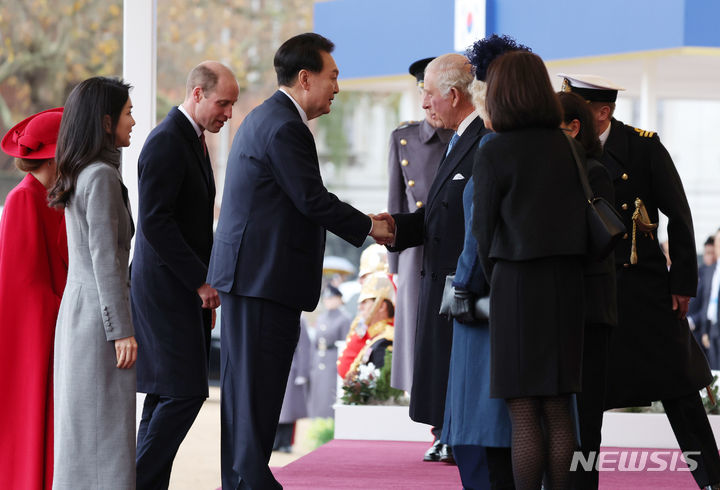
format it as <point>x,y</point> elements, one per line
<point>95,350</point>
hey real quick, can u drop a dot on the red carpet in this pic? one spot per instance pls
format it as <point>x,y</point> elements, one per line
<point>370,465</point>
<point>380,465</point>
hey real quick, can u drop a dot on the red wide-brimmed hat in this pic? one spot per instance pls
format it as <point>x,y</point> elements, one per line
<point>34,138</point>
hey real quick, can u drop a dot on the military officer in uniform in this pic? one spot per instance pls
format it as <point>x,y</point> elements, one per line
<point>416,149</point>
<point>652,353</point>
<point>373,259</point>
<point>373,330</point>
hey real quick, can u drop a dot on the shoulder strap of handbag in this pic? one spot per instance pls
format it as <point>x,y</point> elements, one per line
<point>581,170</point>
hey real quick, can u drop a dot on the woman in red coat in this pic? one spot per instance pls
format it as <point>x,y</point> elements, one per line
<point>33,268</point>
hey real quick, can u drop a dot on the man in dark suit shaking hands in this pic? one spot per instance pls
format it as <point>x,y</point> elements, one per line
<point>439,227</point>
<point>267,258</point>
<point>171,303</point>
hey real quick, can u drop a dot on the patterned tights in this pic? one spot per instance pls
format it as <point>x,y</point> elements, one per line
<point>543,441</point>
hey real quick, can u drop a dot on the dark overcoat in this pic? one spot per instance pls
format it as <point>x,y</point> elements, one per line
<point>172,250</point>
<point>439,226</point>
<point>653,354</point>
<point>416,149</point>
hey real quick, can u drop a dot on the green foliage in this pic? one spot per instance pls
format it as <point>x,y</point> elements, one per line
<point>321,430</point>
<point>711,408</point>
<point>383,390</point>
<point>372,386</point>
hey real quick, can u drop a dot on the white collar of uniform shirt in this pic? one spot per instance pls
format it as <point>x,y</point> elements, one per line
<point>297,106</point>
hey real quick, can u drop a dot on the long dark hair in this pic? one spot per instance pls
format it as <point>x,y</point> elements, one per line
<point>575,107</point>
<point>82,137</point>
<point>519,93</point>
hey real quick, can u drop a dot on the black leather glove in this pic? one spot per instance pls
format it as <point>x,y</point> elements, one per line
<point>463,306</point>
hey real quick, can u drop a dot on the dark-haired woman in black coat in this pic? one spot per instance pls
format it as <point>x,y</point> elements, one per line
<point>529,221</point>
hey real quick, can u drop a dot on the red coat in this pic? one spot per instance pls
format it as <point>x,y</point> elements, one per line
<point>353,344</point>
<point>33,269</point>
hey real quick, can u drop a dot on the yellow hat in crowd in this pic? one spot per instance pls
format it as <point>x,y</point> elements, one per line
<point>378,286</point>
<point>373,259</point>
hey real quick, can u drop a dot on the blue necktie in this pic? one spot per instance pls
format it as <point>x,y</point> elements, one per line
<point>453,140</point>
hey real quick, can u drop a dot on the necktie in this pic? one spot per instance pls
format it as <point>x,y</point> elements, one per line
<point>202,143</point>
<point>453,140</point>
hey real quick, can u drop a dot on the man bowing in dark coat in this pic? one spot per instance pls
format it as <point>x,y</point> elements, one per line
<point>171,304</point>
<point>652,355</point>
<point>267,258</point>
<point>440,228</point>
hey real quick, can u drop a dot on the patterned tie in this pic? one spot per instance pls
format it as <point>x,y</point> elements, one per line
<point>453,140</point>
<point>202,143</point>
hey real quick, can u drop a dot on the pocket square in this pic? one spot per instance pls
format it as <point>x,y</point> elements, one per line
<point>459,177</point>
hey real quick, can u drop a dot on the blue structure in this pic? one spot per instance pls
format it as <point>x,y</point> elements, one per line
<point>374,38</point>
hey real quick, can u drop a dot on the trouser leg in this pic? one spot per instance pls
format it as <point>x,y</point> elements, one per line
<point>692,430</point>
<point>473,467</point>
<point>258,341</point>
<point>590,401</point>
<point>164,425</point>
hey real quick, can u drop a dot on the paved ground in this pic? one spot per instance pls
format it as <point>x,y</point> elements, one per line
<point>197,465</point>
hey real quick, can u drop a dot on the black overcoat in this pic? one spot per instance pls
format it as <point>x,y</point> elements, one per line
<point>172,250</point>
<point>439,226</point>
<point>652,355</point>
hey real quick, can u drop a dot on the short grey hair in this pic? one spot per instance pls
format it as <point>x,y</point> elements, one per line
<point>453,70</point>
<point>478,89</point>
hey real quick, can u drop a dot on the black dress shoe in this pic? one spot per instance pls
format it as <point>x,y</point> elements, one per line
<point>433,454</point>
<point>446,455</point>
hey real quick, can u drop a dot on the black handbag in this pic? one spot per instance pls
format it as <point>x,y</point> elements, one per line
<point>605,225</point>
<point>482,305</point>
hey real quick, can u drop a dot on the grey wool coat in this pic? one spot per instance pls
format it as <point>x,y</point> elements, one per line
<point>94,400</point>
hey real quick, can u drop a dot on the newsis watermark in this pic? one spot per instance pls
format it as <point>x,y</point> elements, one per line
<point>635,460</point>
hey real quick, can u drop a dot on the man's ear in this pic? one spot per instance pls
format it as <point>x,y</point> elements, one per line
<point>197,93</point>
<point>455,94</point>
<point>304,79</point>
<point>605,112</point>
<point>107,123</point>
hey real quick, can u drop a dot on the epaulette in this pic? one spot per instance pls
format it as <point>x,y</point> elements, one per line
<point>407,123</point>
<point>644,134</point>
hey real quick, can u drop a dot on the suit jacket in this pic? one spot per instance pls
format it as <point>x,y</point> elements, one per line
<point>270,238</point>
<point>439,227</point>
<point>650,341</point>
<point>172,250</point>
<point>518,180</point>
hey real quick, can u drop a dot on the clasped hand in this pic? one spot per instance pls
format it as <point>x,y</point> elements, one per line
<point>383,229</point>
<point>462,308</point>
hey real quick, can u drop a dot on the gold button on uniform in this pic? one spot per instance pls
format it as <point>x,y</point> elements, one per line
<point>625,236</point>
<point>419,204</point>
<point>411,183</point>
<point>403,142</point>
<point>624,206</point>
<point>624,176</point>
<point>404,162</point>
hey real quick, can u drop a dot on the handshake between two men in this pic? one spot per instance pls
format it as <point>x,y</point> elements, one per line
<point>383,228</point>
